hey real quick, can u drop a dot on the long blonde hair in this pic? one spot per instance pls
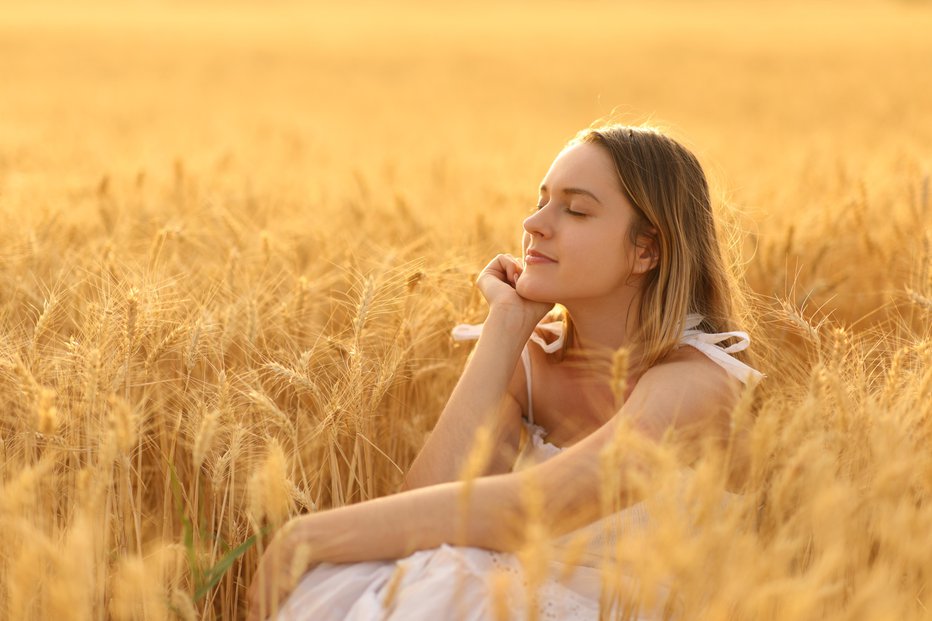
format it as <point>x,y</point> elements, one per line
<point>667,187</point>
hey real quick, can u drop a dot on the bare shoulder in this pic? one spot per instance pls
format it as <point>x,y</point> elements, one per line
<point>685,388</point>
<point>688,365</point>
<point>692,363</point>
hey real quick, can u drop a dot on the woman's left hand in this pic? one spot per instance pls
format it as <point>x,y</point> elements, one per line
<point>285,560</point>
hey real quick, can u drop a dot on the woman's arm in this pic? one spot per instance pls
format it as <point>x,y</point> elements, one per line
<point>689,395</point>
<point>390,527</point>
<point>688,398</point>
<point>480,398</point>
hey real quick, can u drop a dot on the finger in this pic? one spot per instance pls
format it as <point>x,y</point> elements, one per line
<point>503,264</point>
<point>510,275</point>
<point>512,269</point>
<point>496,268</point>
<point>514,272</point>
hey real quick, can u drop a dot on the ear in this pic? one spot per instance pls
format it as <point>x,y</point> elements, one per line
<point>646,251</point>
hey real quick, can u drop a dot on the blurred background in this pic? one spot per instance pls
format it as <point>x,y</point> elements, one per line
<point>460,108</point>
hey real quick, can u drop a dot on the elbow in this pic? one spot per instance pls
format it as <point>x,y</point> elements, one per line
<point>505,512</point>
<point>527,508</point>
<point>494,517</point>
<point>571,518</point>
<point>561,505</point>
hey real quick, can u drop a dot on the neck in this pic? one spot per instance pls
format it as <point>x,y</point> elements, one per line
<point>603,326</point>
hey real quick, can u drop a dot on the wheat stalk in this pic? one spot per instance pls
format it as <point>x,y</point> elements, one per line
<point>801,323</point>
<point>192,352</point>
<point>266,405</point>
<point>231,269</point>
<point>204,439</point>
<point>47,420</point>
<point>132,310</point>
<point>922,301</point>
<point>621,363</point>
<point>269,489</point>
<point>159,350</point>
<point>298,380</point>
<point>297,308</point>
<point>45,320</point>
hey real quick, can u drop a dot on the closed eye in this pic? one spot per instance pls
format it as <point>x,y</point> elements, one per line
<point>567,210</point>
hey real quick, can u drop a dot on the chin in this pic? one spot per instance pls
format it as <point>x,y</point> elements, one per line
<point>530,290</point>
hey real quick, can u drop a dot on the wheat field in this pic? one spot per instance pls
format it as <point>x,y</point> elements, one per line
<point>235,239</point>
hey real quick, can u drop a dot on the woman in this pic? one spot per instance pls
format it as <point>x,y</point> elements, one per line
<point>624,240</point>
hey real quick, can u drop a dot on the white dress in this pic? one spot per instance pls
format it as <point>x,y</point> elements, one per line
<point>455,582</point>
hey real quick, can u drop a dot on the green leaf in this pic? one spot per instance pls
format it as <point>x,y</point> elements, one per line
<point>188,531</point>
<point>213,575</point>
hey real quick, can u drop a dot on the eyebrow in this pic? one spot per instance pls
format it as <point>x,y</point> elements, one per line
<point>575,191</point>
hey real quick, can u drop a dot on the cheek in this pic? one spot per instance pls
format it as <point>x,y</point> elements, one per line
<point>605,263</point>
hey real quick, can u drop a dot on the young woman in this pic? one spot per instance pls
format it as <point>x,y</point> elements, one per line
<point>623,238</point>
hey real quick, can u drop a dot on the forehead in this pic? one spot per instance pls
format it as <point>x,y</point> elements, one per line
<point>584,164</point>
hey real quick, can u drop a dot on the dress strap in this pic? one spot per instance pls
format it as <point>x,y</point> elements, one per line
<point>554,327</point>
<point>707,343</point>
<point>466,332</point>
<point>526,359</point>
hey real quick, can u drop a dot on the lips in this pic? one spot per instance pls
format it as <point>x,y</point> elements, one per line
<point>533,256</point>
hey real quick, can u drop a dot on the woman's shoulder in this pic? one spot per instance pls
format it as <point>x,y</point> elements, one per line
<point>685,352</point>
<point>687,373</point>
<point>684,390</point>
<point>692,365</point>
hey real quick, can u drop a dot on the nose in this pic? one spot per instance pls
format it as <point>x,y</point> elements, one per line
<point>538,223</point>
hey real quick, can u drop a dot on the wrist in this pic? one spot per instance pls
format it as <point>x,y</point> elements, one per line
<point>328,536</point>
<point>513,320</point>
<point>302,537</point>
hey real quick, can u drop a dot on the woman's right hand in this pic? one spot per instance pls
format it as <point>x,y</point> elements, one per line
<point>497,284</point>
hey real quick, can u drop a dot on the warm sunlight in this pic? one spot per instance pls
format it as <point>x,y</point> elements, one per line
<point>240,278</point>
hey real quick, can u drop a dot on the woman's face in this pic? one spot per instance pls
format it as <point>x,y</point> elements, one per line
<point>582,224</point>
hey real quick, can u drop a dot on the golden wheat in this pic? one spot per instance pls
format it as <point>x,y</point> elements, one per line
<point>226,290</point>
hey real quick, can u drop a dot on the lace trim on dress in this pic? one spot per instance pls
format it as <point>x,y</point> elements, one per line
<point>538,450</point>
<point>554,601</point>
